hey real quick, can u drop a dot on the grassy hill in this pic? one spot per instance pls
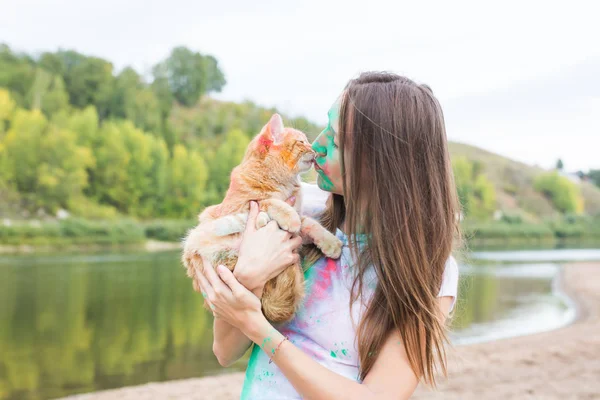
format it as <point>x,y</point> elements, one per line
<point>513,181</point>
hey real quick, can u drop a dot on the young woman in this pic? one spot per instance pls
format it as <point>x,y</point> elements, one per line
<point>372,323</point>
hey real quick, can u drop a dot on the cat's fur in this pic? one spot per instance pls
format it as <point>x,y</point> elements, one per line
<point>268,174</point>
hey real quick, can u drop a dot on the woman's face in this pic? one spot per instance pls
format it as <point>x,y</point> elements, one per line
<point>327,160</point>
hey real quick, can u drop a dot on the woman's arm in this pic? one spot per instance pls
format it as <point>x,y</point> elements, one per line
<point>229,343</point>
<point>390,378</point>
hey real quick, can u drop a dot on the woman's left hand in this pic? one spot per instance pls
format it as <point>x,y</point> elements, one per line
<point>229,299</point>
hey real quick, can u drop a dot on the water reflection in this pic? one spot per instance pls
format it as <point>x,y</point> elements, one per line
<point>82,323</point>
<point>498,301</point>
<point>72,326</point>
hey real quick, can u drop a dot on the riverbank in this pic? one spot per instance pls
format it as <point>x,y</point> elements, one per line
<point>148,245</point>
<point>78,234</point>
<point>561,364</point>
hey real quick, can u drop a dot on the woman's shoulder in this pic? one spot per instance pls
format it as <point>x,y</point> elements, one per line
<point>314,199</point>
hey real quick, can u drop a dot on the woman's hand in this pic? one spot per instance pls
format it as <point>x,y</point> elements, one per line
<point>228,299</point>
<point>264,253</point>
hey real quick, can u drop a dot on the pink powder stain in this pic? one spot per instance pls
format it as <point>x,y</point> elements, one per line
<point>320,286</point>
<point>318,291</point>
<point>324,282</point>
<point>306,345</point>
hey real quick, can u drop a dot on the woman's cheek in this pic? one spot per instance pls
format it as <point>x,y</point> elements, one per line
<point>334,172</point>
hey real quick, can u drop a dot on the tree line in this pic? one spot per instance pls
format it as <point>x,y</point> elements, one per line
<point>75,134</point>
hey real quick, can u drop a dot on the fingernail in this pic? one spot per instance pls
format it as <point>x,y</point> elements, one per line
<point>220,268</point>
<point>203,294</point>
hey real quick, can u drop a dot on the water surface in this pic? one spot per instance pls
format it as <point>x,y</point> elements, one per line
<point>80,323</point>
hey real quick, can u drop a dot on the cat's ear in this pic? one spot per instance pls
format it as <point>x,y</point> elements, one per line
<point>273,131</point>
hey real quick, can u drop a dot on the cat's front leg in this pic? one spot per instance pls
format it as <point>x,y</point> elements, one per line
<point>287,218</point>
<point>329,244</point>
<point>227,225</point>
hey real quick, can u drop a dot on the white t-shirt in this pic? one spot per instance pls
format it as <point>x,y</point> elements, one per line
<point>325,326</point>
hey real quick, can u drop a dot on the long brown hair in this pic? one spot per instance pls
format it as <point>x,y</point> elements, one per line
<point>398,189</point>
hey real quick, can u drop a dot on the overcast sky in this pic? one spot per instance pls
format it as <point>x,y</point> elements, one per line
<point>520,78</point>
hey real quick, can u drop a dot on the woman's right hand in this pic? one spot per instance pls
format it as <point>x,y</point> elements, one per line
<point>264,253</point>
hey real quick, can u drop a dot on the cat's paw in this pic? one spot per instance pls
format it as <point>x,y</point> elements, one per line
<point>262,219</point>
<point>331,246</point>
<point>291,223</point>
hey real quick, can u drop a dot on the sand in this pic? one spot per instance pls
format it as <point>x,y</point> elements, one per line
<point>560,364</point>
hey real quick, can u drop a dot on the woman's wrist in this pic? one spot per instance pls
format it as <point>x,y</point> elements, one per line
<point>257,328</point>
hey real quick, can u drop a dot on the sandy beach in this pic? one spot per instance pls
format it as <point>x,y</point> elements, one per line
<point>561,364</point>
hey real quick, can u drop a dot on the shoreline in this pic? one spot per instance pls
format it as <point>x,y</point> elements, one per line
<point>558,364</point>
<point>149,245</point>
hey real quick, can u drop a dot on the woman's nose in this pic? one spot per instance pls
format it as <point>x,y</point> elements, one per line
<point>320,150</point>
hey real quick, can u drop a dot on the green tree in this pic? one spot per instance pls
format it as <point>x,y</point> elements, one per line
<point>131,168</point>
<point>564,194</point>
<point>485,193</point>
<point>187,182</point>
<point>85,123</point>
<point>189,75</point>
<point>7,107</point>
<point>463,177</point>
<point>476,193</point>
<point>89,81</point>
<point>22,147</point>
<point>47,93</point>
<point>559,165</point>
<point>62,169</point>
<point>17,72</point>
<point>228,155</point>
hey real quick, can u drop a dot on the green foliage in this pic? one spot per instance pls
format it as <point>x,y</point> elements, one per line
<point>188,174</point>
<point>564,194</point>
<point>560,165</point>
<point>89,80</point>
<point>73,230</point>
<point>190,75</point>
<point>7,105</point>
<point>17,72</point>
<point>506,231</point>
<point>169,230</point>
<point>476,193</point>
<point>229,154</point>
<point>43,161</point>
<point>47,93</point>
<point>131,169</point>
<point>572,226</point>
<point>22,145</point>
<point>61,173</point>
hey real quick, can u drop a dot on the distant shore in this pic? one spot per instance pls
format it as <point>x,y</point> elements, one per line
<point>560,364</point>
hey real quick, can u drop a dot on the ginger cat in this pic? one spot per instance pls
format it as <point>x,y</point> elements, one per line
<point>268,174</point>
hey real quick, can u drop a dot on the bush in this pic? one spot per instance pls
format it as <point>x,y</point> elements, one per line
<point>503,230</point>
<point>564,194</point>
<point>73,230</point>
<point>168,230</point>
